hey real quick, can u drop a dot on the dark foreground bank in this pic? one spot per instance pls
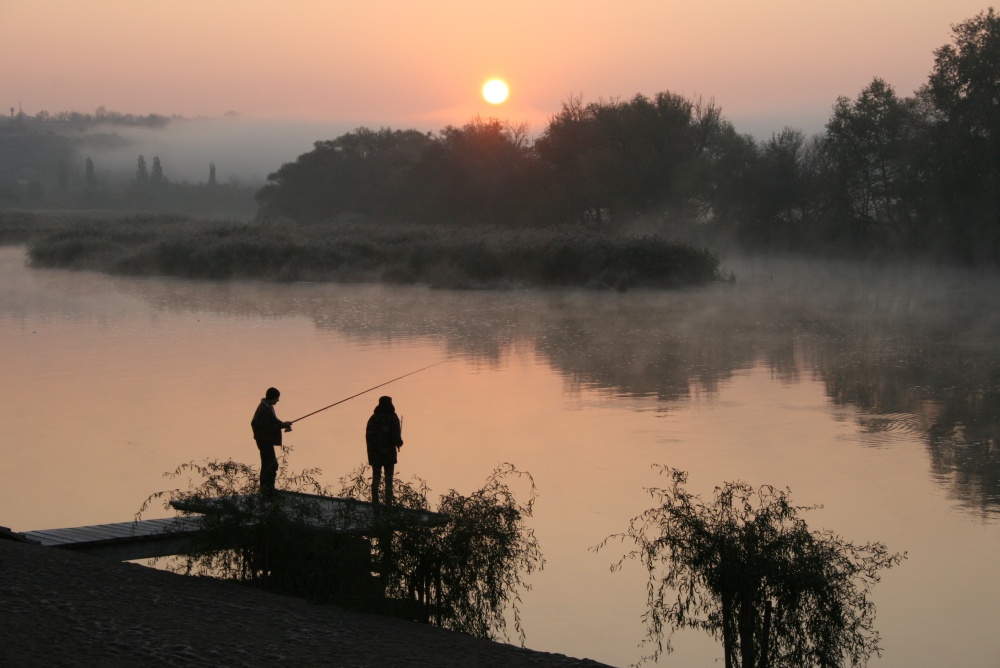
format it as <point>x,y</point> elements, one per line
<point>63,609</point>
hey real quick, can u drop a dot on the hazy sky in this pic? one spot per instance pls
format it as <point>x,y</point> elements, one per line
<point>407,63</point>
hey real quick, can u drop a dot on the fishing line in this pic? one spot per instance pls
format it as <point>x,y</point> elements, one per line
<point>368,390</point>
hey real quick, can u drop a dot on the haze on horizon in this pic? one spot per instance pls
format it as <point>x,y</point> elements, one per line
<point>313,69</point>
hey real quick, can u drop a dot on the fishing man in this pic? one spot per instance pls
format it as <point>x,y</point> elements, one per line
<point>267,430</point>
<point>383,436</point>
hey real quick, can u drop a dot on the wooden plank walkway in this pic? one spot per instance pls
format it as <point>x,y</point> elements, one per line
<point>123,541</point>
<point>147,539</point>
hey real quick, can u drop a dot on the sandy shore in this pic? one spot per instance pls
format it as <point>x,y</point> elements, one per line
<point>63,609</point>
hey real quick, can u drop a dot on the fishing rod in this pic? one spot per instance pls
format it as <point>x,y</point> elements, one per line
<point>366,391</point>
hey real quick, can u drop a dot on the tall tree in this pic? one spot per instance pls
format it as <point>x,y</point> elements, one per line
<point>482,171</point>
<point>779,202</point>
<point>89,176</point>
<point>141,175</point>
<point>616,159</point>
<point>156,176</point>
<point>366,171</point>
<point>964,92</point>
<point>868,141</point>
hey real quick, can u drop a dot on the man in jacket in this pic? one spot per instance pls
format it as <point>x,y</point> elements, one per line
<point>267,430</point>
<point>383,436</point>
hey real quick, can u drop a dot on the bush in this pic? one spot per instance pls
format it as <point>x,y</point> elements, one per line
<point>746,569</point>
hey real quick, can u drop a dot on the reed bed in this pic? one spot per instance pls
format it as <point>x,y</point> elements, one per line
<point>354,250</point>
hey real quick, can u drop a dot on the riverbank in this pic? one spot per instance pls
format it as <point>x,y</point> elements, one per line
<point>63,609</point>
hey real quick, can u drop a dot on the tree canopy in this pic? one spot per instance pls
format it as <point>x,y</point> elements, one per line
<point>917,175</point>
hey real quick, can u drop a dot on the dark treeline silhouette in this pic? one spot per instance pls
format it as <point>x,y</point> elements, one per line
<point>913,175</point>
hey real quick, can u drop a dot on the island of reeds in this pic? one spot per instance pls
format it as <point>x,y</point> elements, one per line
<point>354,251</point>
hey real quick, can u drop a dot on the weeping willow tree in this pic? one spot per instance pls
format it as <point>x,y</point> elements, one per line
<point>466,575</point>
<point>746,569</point>
<point>469,573</point>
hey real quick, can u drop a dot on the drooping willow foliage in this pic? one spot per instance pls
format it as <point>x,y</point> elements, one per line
<point>745,568</point>
<point>470,572</point>
<point>466,575</point>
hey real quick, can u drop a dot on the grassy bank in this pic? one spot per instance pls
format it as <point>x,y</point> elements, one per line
<point>352,251</point>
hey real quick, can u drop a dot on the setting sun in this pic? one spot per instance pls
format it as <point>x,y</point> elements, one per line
<point>495,91</point>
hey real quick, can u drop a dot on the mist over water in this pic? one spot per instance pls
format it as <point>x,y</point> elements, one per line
<point>871,390</point>
<point>244,150</point>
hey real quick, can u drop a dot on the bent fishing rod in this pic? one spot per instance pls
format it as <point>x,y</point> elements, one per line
<point>336,403</point>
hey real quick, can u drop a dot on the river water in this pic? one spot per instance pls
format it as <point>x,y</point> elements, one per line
<point>872,391</point>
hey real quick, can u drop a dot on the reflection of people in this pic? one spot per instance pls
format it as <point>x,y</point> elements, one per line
<point>267,432</point>
<point>383,436</point>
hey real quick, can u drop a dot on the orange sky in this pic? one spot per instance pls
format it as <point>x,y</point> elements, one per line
<point>421,64</point>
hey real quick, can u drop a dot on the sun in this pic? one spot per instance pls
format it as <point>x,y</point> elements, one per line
<point>495,91</point>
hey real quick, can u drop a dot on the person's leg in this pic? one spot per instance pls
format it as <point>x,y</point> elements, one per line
<point>376,481</point>
<point>389,470</point>
<point>268,468</point>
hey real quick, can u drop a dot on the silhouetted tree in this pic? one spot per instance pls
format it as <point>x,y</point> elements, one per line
<point>963,91</point>
<point>141,175</point>
<point>211,174</point>
<point>780,199</point>
<point>481,172</point>
<point>89,177</point>
<point>746,569</point>
<point>365,171</point>
<point>873,183</point>
<point>618,159</point>
<point>156,176</point>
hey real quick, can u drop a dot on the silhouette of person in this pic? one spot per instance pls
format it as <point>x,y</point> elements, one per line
<point>383,436</point>
<point>267,430</point>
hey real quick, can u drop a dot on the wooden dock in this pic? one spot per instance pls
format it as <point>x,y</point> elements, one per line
<point>122,541</point>
<point>340,515</point>
<point>147,539</point>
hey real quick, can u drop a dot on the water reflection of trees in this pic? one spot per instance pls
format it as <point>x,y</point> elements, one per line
<point>910,352</point>
<point>924,361</point>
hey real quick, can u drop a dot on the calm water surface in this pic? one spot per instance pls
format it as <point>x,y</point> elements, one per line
<point>872,392</point>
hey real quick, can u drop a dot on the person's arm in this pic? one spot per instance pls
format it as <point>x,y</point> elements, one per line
<point>397,432</point>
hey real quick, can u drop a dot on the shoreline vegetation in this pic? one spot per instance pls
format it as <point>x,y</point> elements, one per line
<point>353,249</point>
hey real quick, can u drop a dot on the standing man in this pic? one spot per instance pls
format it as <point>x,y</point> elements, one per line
<point>267,430</point>
<point>383,436</point>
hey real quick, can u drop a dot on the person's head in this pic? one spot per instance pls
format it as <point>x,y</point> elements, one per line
<point>272,395</point>
<point>385,403</point>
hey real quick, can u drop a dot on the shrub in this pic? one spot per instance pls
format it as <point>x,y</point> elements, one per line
<point>746,569</point>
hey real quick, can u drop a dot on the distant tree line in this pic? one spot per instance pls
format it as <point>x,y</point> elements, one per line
<point>149,191</point>
<point>80,121</point>
<point>916,175</point>
<point>45,164</point>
